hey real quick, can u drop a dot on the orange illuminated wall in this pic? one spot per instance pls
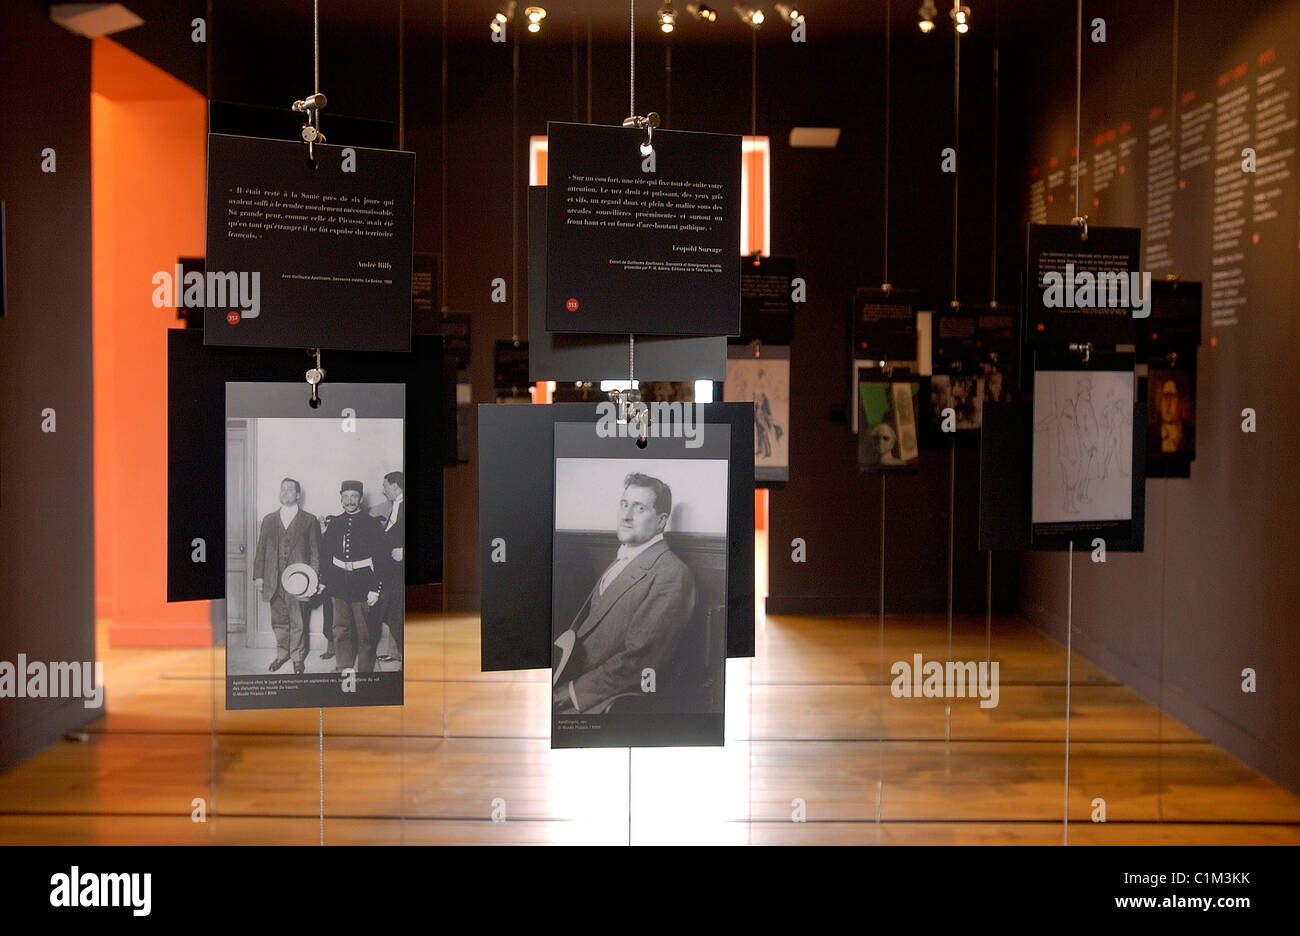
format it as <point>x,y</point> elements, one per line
<point>148,136</point>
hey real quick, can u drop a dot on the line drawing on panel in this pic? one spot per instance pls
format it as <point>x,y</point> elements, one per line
<point>1083,442</point>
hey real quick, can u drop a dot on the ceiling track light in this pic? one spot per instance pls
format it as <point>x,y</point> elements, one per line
<point>791,15</point>
<point>960,16</point>
<point>927,13</point>
<point>749,16</point>
<point>703,12</point>
<point>504,14</point>
<point>534,15</point>
<point>666,17</point>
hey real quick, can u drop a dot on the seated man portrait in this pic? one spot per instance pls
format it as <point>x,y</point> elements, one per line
<point>635,612</point>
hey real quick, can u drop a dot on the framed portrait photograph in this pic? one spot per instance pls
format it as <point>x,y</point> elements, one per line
<point>887,425</point>
<point>1171,419</point>
<point>315,546</point>
<point>1082,462</point>
<point>639,588</point>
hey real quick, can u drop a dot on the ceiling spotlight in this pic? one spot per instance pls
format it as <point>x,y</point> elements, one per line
<point>535,16</point>
<point>749,16</point>
<point>667,17</point>
<point>504,14</point>
<point>702,11</point>
<point>960,17</point>
<point>927,13</point>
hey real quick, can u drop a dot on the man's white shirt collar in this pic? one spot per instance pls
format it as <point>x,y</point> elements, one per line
<point>631,552</point>
<point>287,514</point>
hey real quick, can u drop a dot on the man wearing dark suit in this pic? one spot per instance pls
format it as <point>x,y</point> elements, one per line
<point>637,610</point>
<point>287,535</point>
<point>392,567</point>
<point>353,540</point>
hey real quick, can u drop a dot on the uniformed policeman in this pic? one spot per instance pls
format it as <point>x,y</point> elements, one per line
<point>352,545</point>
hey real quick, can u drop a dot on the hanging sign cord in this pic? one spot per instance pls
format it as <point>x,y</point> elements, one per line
<point>320,766</point>
<point>401,75</point>
<point>315,102</point>
<point>631,109</point>
<point>1173,105</point>
<point>956,133</point>
<point>993,239</point>
<point>514,214</point>
<point>442,169</point>
<point>884,273</point>
<point>1080,219</point>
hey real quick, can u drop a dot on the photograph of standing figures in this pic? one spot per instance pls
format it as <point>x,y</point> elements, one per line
<point>315,545</point>
<point>763,378</point>
<point>639,595</point>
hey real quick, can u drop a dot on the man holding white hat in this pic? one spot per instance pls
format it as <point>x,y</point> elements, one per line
<point>288,536</point>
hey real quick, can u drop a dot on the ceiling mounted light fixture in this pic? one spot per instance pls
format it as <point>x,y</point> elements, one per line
<point>93,19</point>
<point>535,15</point>
<point>960,16</point>
<point>792,15</point>
<point>504,14</point>
<point>702,11</point>
<point>749,16</point>
<point>927,13</point>
<point>667,17</point>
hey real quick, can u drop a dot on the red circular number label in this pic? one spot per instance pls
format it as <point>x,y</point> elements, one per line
<point>232,317</point>
<point>572,305</point>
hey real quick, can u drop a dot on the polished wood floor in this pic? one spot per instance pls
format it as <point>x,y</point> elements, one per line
<point>809,719</point>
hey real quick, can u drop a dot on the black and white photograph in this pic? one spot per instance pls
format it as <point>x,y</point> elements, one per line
<point>887,426</point>
<point>315,552</point>
<point>963,394</point>
<point>1083,449</point>
<point>1171,420</point>
<point>762,377</point>
<point>639,589</point>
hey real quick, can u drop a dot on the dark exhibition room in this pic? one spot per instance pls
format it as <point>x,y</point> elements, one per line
<point>853,424</point>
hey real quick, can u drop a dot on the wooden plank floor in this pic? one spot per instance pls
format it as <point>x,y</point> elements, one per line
<point>809,720</point>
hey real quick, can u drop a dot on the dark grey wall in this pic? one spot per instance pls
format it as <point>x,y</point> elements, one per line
<point>1216,589</point>
<point>827,212</point>
<point>47,532</point>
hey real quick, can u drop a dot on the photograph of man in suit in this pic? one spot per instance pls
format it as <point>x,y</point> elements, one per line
<point>287,535</point>
<point>353,540</point>
<point>1176,433</point>
<point>635,613</point>
<point>391,609</point>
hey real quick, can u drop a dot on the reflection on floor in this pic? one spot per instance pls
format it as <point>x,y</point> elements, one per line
<point>813,731</point>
